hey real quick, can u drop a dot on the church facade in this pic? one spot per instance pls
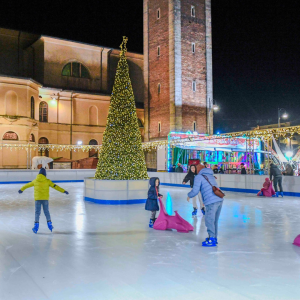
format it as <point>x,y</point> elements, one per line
<point>55,91</point>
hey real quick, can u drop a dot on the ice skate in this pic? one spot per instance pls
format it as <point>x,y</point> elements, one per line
<point>281,194</point>
<point>36,227</point>
<point>208,239</point>
<point>194,213</point>
<point>203,211</point>
<point>151,223</point>
<point>50,226</point>
<point>210,242</point>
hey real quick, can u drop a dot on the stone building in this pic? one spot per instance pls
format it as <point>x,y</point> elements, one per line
<point>55,91</point>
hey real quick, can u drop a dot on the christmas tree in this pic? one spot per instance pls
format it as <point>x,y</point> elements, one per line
<point>121,156</point>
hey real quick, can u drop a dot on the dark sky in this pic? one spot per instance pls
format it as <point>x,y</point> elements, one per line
<point>255,48</point>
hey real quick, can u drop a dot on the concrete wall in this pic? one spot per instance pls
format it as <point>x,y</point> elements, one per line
<point>235,183</point>
<point>23,176</point>
<point>13,56</point>
<point>232,182</point>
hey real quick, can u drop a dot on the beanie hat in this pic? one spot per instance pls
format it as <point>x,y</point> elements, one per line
<point>43,171</point>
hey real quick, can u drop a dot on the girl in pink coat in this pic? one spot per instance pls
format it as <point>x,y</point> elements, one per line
<point>267,189</point>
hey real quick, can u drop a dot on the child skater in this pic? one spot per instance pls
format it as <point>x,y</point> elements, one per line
<point>152,203</point>
<point>267,189</point>
<point>190,178</point>
<point>203,183</point>
<point>41,196</point>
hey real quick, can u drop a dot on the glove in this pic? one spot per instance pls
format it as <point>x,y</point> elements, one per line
<point>20,192</point>
<point>67,193</point>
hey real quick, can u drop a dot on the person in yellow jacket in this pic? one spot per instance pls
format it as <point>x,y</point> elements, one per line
<point>41,196</point>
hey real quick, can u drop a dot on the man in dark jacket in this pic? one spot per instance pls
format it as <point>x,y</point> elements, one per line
<point>243,169</point>
<point>276,173</point>
<point>179,168</point>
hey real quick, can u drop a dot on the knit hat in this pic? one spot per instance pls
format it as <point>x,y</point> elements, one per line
<point>199,167</point>
<point>43,171</point>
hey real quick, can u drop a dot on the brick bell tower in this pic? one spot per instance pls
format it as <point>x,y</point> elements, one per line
<point>177,67</point>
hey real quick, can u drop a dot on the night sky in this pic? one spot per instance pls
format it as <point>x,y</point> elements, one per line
<point>256,47</point>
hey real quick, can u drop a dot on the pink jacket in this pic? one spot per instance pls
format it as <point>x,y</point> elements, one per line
<point>267,189</point>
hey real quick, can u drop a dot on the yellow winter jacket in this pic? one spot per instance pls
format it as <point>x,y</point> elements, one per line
<point>41,187</point>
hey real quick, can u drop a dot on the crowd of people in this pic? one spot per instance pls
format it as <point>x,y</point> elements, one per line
<point>202,180</point>
<point>203,184</point>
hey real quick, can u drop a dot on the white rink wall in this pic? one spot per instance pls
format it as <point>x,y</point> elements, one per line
<point>229,182</point>
<point>20,176</point>
<point>234,182</point>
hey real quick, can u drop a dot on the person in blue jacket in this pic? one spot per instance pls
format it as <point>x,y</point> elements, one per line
<point>151,203</point>
<point>203,182</point>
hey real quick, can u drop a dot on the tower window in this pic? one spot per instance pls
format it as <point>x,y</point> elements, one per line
<point>159,127</point>
<point>194,85</point>
<point>193,47</point>
<point>194,126</point>
<point>158,51</point>
<point>158,88</point>
<point>193,12</point>
<point>158,14</point>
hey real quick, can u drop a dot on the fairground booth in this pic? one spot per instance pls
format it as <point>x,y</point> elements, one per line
<point>227,153</point>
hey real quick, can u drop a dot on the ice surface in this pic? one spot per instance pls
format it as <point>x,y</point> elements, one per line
<point>108,252</point>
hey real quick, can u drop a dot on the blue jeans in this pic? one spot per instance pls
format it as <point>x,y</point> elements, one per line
<point>38,207</point>
<point>278,181</point>
<point>212,215</point>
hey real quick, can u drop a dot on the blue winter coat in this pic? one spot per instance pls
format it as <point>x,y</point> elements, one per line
<point>152,203</point>
<point>201,184</point>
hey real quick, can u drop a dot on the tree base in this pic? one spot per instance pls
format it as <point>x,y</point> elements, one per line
<point>115,192</point>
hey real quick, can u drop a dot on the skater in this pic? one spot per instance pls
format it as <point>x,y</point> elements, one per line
<point>41,196</point>
<point>216,170</point>
<point>179,168</point>
<point>276,173</point>
<point>152,201</point>
<point>288,170</point>
<point>190,178</point>
<point>213,204</point>
<point>243,169</point>
<point>267,189</point>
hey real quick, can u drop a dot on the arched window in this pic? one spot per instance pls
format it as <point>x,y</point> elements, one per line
<point>11,103</point>
<point>140,123</point>
<point>10,136</point>
<point>43,112</point>
<point>44,140</point>
<point>75,69</point>
<point>32,138</point>
<point>32,108</point>
<point>93,115</point>
<point>93,152</point>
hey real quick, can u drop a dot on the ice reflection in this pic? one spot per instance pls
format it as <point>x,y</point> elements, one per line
<point>79,218</point>
<point>169,204</point>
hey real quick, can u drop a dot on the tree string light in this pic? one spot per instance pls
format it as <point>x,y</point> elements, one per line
<point>121,156</point>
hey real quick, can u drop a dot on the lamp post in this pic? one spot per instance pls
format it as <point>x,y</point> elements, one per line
<point>285,115</point>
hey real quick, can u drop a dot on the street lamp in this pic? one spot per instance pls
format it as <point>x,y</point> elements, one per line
<point>289,154</point>
<point>212,106</point>
<point>284,116</point>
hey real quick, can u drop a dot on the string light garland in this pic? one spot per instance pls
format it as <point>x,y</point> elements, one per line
<point>121,156</point>
<point>264,134</point>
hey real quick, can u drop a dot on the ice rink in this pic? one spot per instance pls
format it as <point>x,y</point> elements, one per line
<point>108,252</point>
